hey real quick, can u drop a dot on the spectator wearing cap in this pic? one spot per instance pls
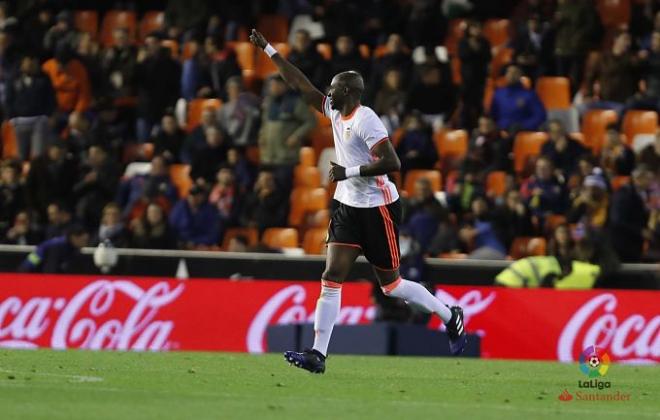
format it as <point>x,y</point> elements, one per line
<point>70,81</point>
<point>474,53</point>
<point>56,255</point>
<point>195,221</point>
<point>515,107</point>
<point>239,116</point>
<point>118,66</point>
<point>30,101</point>
<point>157,77</point>
<point>617,158</point>
<point>545,191</point>
<point>629,216</point>
<point>62,33</point>
<point>562,149</point>
<point>592,204</point>
<point>170,138</point>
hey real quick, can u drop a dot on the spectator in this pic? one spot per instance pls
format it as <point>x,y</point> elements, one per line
<point>617,158</point>
<point>76,134</point>
<point>100,179</point>
<point>111,228</point>
<point>545,192</point>
<point>304,56</point>
<point>34,28</point>
<point>30,100</point>
<point>207,72</point>
<point>562,246</point>
<point>648,95</point>
<point>151,231</point>
<point>12,193</point>
<point>157,77</point>
<point>468,186</point>
<point>512,218</point>
<point>629,216</point>
<point>390,100</point>
<point>111,127</point>
<point>423,214</point>
<point>62,34</point>
<point>347,57</point>
<point>480,235</point>
<point>530,49</point>
<point>243,170</point>
<point>416,148</point>
<point>87,51</point>
<point>239,116</point>
<point>562,149</point>
<point>267,205</point>
<point>60,219</point>
<point>488,149</point>
<point>578,28</point>
<point>70,81</point>
<point>51,177</point>
<point>515,107</point>
<point>613,78</point>
<point>195,221</point>
<point>197,138</point>
<point>650,155</point>
<point>118,66</point>
<point>23,231</point>
<point>397,57</point>
<point>286,120</point>
<point>56,255</point>
<point>590,207</point>
<point>206,160</point>
<point>169,140</point>
<point>156,186</point>
<point>475,56</point>
<point>423,96</point>
<point>226,197</point>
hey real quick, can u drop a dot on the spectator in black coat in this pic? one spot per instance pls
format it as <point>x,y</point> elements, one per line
<point>23,231</point>
<point>12,193</point>
<point>488,149</point>
<point>304,56</point>
<point>118,66</point>
<point>169,140</point>
<point>475,56</point>
<point>416,148</point>
<point>197,138</point>
<point>395,57</point>
<point>512,218</point>
<point>157,79</point>
<point>629,216</point>
<point>562,150</point>
<point>206,160</point>
<point>347,57</point>
<point>434,96</point>
<point>29,101</point>
<point>51,177</point>
<point>267,205</point>
<point>151,231</point>
<point>530,48</point>
<point>616,157</point>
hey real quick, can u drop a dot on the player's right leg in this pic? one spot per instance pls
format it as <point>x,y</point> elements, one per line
<point>339,261</point>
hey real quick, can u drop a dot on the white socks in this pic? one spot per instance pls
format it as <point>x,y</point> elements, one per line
<point>327,309</point>
<point>417,294</point>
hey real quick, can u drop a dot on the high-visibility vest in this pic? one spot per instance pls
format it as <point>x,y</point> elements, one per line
<point>532,271</point>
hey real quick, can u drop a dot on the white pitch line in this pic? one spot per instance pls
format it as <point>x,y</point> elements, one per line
<point>74,378</point>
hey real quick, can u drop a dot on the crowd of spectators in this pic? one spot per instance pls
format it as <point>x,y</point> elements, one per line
<point>77,105</point>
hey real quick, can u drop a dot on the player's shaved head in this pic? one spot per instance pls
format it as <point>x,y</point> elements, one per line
<point>346,89</point>
<point>350,79</point>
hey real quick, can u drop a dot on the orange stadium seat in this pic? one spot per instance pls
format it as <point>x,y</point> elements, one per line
<point>496,183</point>
<point>265,66</point>
<point>321,138</point>
<point>153,20</point>
<point>432,175</point>
<point>500,59</point>
<point>455,64</point>
<point>245,55</point>
<point>280,238</point>
<point>639,122</point>
<point>614,13</point>
<point>180,175</point>
<point>321,119</point>
<point>274,27</point>
<point>325,49</point>
<point>250,234</point>
<point>454,35</point>
<point>527,246</point>
<point>173,46</point>
<point>594,124</point>
<point>307,156</point>
<point>552,221</point>
<point>555,92</point>
<point>497,32</point>
<point>306,200</point>
<point>195,108</point>
<point>87,21</point>
<point>319,218</point>
<point>306,176</point>
<point>619,181</point>
<point>451,144</point>
<point>314,240</point>
<point>527,145</point>
<point>146,151</point>
<point>114,19</point>
<point>9,141</point>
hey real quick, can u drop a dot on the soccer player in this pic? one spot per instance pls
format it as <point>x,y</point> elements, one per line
<point>368,213</point>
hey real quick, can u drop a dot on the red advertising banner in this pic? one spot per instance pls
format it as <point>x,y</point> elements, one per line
<point>94,312</point>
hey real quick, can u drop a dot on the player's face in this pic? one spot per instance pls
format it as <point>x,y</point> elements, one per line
<point>337,93</point>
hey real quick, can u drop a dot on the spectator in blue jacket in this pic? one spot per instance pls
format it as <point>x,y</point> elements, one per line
<point>55,255</point>
<point>515,107</point>
<point>147,187</point>
<point>195,220</point>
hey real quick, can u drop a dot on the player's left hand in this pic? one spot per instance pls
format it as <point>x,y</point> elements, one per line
<point>337,172</point>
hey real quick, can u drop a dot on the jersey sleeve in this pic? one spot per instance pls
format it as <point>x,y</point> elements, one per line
<point>372,130</point>
<point>325,105</point>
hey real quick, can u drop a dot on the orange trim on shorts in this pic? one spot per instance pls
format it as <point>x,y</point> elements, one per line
<point>389,287</point>
<point>331,284</point>
<point>391,239</point>
<point>349,116</point>
<point>344,244</point>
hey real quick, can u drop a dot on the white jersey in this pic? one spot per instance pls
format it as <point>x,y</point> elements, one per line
<point>355,137</point>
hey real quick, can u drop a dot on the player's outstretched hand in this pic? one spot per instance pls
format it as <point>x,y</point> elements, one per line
<point>337,172</point>
<point>258,39</point>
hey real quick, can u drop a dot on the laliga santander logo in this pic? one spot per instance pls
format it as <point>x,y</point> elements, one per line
<point>633,339</point>
<point>72,328</point>
<point>594,362</point>
<point>290,303</point>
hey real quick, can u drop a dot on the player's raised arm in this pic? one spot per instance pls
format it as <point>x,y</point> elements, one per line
<point>291,74</point>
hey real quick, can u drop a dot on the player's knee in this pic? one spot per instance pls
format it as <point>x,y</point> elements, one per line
<point>333,274</point>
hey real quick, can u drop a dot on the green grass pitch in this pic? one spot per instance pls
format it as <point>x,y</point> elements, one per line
<point>47,384</point>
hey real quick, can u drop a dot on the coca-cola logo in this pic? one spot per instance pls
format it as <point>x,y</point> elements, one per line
<point>632,339</point>
<point>88,320</point>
